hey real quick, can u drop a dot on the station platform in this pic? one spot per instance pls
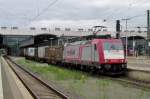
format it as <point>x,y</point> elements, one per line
<point>139,63</point>
<point>10,85</point>
<point>1,86</point>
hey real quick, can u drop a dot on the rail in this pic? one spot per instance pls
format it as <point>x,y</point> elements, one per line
<point>37,87</point>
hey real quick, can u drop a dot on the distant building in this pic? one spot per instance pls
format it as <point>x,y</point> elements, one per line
<point>12,37</point>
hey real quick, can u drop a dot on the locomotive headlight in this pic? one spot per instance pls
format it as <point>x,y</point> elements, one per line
<point>122,61</point>
<point>124,65</point>
<point>106,60</point>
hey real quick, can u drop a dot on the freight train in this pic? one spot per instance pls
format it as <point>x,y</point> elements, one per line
<point>104,55</point>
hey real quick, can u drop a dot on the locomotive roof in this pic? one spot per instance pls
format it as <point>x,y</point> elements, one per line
<point>90,41</point>
<point>80,42</point>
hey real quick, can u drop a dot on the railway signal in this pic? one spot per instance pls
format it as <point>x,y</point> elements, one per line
<point>118,28</point>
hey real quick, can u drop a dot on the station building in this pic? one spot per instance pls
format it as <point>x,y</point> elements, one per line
<point>136,42</point>
<point>14,38</point>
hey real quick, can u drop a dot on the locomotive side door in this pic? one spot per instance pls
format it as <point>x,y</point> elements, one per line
<point>94,53</point>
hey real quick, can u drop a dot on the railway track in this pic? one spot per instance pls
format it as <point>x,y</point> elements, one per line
<point>37,88</point>
<point>135,83</point>
<point>134,80</point>
<point>122,79</point>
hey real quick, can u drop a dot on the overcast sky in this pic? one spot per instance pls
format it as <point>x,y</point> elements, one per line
<point>70,13</point>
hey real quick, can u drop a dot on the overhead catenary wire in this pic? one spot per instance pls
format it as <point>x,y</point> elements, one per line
<point>44,10</point>
<point>134,3</point>
<point>132,17</point>
<point>131,4</point>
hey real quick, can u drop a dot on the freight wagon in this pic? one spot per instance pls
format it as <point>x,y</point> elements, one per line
<point>29,53</point>
<point>54,55</point>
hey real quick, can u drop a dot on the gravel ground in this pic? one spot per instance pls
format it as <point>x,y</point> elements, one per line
<point>140,60</point>
<point>139,63</point>
<point>94,88</point>
<point>91,87</point>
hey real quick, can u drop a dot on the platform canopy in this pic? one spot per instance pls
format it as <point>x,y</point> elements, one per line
<point>135,37</point>
<point>38,39</point>
<point>41,38</point>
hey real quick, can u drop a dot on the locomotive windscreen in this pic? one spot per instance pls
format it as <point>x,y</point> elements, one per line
<point>113,50</point>
<point>113,46</point>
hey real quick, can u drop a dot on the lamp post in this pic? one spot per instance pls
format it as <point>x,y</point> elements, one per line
<point>17,54</point>
<point>134,54</point>
<point>126,35</point>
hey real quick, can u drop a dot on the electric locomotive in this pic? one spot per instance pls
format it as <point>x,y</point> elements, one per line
<point>106,55</point>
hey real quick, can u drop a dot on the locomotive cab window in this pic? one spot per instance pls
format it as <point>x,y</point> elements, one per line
<point>112,46</point>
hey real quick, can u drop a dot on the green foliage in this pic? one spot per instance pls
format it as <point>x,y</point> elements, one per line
<point>84,85</point>
<point>57,72</point>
